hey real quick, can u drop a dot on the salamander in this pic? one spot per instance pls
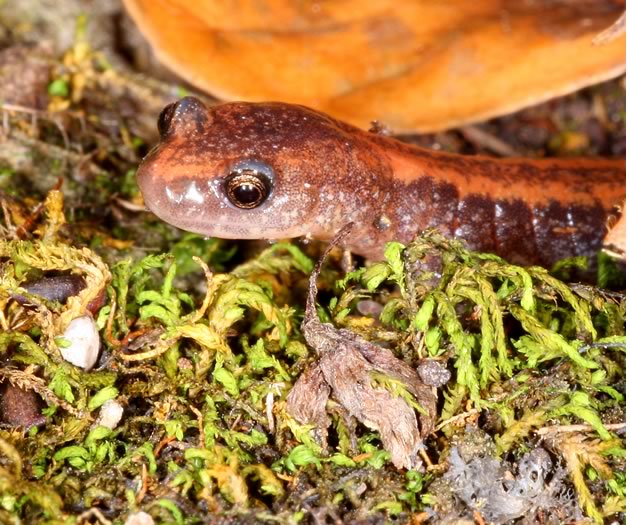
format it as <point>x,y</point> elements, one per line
<point>274,170</point>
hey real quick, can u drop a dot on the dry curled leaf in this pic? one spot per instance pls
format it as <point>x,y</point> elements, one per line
<point>413,65</point>
<point>368,382</point>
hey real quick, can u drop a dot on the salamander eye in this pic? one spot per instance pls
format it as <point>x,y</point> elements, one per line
<point>164,120</point>
<point>249,185</point>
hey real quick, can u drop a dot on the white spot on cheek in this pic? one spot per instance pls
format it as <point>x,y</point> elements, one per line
<point>307,185</point>
<point>173,197</point>
<point>193,194</point>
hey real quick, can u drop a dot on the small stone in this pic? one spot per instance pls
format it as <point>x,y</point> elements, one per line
<point>83,342</point>
<point>433,373</point>
<point>58,288</point>
<point>20,407</point>
<point>369,308</point>
<point>110,415</point>
<point>139,518</point>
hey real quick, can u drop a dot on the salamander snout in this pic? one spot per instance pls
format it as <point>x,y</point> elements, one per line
<point>246,170</point>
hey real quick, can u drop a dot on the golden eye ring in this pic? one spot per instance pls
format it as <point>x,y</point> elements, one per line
<point>247,188</point>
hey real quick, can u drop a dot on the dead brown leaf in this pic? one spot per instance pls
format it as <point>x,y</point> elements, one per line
<point>416,65</point>
<point>346,371</point>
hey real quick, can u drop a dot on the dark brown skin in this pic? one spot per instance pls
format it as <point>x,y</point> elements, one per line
<point>314,174</point>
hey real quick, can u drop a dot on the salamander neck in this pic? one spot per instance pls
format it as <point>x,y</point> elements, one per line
<point>535,181</point>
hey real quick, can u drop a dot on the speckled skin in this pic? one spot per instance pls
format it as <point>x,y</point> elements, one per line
<point>328,173</point>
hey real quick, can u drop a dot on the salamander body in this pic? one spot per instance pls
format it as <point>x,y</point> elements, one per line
<point>275,170</point>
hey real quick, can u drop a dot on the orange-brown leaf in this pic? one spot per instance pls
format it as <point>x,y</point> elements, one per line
<point>416,65</point>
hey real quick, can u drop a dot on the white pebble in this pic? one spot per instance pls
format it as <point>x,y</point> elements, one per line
<point>139,518</point>
<point>84,342</point>
<point>110,414</point>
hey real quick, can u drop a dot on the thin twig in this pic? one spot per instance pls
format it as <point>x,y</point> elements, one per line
<point>488,141</point>
<point>577,428</point>
<point>458,417</point>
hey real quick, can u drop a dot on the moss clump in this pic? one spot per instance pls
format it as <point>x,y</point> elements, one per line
<point>202,363</point>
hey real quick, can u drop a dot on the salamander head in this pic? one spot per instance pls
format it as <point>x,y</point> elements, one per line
<point>243,170</point>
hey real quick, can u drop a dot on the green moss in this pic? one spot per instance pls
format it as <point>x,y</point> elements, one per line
<point>202,363</point>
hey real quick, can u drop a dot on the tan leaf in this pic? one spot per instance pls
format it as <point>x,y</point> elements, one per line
<point>416,65</point>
